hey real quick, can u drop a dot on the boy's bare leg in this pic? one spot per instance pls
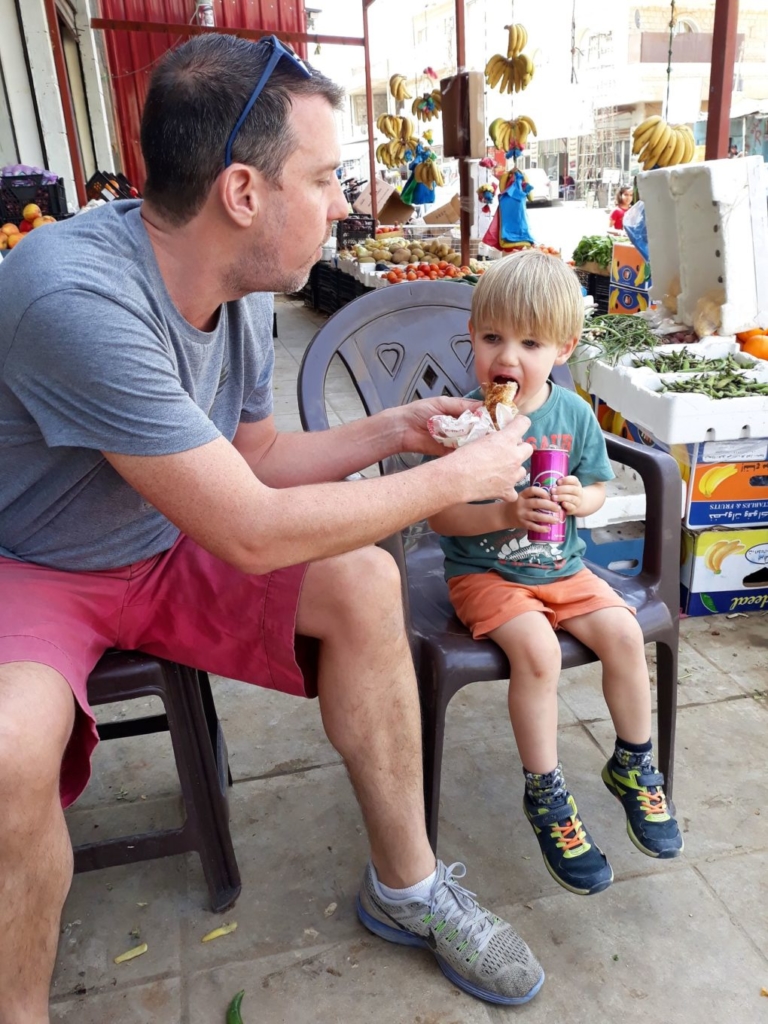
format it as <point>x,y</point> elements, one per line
<point>534,657</point>
<point>616,638</point>
<point>369,702</point>
<point>36,716</point>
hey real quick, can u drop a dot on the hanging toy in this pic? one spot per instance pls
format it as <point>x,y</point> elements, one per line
<point>428,105</point>
<point>486,194</point>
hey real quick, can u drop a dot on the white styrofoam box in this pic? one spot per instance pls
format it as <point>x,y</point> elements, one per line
<point>624,500</point>
<point>714,214</point>
<point>675,418</point>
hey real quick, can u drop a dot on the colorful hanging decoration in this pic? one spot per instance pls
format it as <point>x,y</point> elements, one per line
<point>425,176</point>
<point>486,194</point>
<point>428,105</point>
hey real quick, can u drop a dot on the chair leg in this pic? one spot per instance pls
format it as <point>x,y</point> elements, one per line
<point>433,708</point>
<point>201,785</point>
<point>666,683</point>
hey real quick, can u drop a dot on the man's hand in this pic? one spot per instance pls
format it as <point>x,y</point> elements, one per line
<point>535,511</point>
<point>415,416</point>
<point>568,493</point>
<point>490,467</point>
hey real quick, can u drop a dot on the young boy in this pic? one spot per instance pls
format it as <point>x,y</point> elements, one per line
<point>527,316</point>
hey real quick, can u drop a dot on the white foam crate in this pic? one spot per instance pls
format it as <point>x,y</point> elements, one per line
<point>624,501</point>
<point>675,418</point>
<point>708,227</point>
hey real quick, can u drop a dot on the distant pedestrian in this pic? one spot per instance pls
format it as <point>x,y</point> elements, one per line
<point>623,203</point>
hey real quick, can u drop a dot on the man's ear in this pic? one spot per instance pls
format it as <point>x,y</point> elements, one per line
<point>238,193</point>
<point>565,351</point>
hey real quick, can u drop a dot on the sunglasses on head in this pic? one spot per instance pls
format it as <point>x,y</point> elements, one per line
<point>278,51</point>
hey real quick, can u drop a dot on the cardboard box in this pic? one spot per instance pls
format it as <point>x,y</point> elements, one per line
<point>724,571</point>
<point>726,482</point>
<point>391,208</point>
<point>627,300</point>
<point>628,268</point>
<point>447,214</point>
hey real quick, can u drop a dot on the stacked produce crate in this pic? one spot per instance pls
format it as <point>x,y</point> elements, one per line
<point>705,401</point>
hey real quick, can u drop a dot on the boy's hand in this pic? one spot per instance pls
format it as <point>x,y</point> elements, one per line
<point>534,510</point>
<point>568,494</point>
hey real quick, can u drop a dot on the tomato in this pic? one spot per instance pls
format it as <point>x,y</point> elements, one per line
<point>465,270</point>
<point>411,275</point>
<point>442,265</point>
<point>433,276</point>
<point>425,267</point>
<point>392,277</point>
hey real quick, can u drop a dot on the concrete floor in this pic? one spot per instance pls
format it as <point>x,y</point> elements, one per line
<point>673,943</point>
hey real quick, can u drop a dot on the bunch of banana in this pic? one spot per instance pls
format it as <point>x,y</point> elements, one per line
<point>659,144</point>
<point>505,134</point>
<point>398,88</point>
<point>717,554</point>
<point>389,125</point>
<point>427,106</point>
<point>510,74</point>
<point>428,173</point>
<point>392,154</point>
<point>518,37</point>
<point>713,477</point>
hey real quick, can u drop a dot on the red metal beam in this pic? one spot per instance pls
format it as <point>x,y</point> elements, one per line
<point>73,139</point>
<point>180,29</point>
<point>461,60</point>
<point>721,78</point>
<point>369,112</point>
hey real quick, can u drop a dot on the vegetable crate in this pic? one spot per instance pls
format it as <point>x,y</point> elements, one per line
<point>724,571</point>
<point>355,229</point>
<point>17,191</point>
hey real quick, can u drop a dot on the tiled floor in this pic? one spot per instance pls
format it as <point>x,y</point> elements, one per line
<point>677,943</point>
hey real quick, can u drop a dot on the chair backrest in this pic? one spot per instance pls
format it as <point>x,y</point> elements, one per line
<point>399,343</point>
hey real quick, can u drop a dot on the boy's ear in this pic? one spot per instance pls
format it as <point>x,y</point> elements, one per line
<point>565,350</point>
<point>471,329</point>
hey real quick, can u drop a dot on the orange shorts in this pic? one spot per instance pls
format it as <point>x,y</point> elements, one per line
<point>485,600</point>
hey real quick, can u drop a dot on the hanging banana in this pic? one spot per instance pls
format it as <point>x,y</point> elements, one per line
<point>398,88</point>
<point>658,144</point>
<point>514,72</point>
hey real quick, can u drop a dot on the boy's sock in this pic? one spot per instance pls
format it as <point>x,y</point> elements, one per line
<point>546,790</point>
<point>634,755</point>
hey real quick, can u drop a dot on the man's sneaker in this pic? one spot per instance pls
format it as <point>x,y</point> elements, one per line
<point>569,851</point>
<point>651,827</point>
<point>475,950</point>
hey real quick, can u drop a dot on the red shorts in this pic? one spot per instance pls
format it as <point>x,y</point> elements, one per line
<point>485,600</point>
<point>184,605</point>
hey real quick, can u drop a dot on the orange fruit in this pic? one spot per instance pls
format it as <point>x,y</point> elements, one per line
<point>746,335</point>
<point>9,229</point>
<point>756,346</point>
<point>31,212</point>
<point>14,240</point>
<point>40,222</point>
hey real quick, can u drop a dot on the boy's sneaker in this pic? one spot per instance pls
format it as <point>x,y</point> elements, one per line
<point>477,951</point>
<point>571,855</point>
<point>650,826</point>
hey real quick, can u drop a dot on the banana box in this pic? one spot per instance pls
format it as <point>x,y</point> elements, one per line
<point>726,482</point>
<point>724,572</point>
<point>629,269</point>
<point>627,300</point>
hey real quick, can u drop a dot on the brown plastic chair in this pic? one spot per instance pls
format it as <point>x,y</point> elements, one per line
<point>201,761</point>
<point>410,341</point>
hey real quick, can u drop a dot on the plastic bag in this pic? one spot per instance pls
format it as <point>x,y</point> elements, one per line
<point>636,230</point>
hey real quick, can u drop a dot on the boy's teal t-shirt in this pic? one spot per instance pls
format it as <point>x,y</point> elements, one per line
<point>564,421</point>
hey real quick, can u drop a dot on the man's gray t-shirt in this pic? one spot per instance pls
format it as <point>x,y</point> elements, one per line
<point>94,356</point>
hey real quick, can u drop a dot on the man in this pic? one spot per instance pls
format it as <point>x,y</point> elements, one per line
<point>147,501</point>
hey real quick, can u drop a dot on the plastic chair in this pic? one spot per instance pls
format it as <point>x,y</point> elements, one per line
<point>411,341</point>
<point>201,760</point>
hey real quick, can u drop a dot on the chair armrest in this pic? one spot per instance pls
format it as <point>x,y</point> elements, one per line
<point>661,478</point>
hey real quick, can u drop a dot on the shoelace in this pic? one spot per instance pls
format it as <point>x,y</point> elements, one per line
<point>458,907</point>
<point>570,834</point>
<point>652,802</point>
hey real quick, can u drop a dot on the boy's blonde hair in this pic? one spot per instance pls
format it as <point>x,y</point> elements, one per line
<point>537,294</point>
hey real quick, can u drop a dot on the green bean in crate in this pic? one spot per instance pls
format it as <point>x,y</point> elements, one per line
<point>686,362</point>
<point>717,386</point>
<point>615,335</point>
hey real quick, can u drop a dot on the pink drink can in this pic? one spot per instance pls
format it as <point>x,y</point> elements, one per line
<point>548,467</point>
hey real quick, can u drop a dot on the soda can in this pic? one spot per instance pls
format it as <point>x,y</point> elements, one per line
<point>204,14</point>
<point>548,467</point>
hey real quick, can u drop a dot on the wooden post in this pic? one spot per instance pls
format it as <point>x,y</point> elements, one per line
<point>721,78</point>
<point>461,60</point>
<point>369,112</point>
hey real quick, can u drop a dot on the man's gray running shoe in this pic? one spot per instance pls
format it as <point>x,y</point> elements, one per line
<point>477,951</point>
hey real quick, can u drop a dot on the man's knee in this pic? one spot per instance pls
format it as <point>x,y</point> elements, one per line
<point>362,587</point>
<point>36,718</point>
